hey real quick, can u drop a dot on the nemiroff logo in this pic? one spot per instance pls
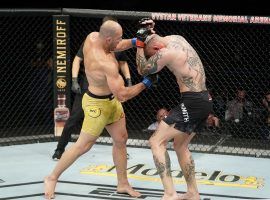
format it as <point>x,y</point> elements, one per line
<point>144,173</point>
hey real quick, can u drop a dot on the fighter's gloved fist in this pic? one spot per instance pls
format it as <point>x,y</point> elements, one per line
<point>128,82</point>
<point>141,35</point>
<point>150,80</point>
<point>146,22</point>
<point>76,88</point>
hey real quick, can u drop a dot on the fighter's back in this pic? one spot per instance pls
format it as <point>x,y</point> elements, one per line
<point>186,64</point>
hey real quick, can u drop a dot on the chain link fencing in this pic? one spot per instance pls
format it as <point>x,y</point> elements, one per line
<point>26,78</point>
<point>235,56</point>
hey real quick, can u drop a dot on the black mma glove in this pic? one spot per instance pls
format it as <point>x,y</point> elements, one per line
<point>141,35</point>
<point>128,82</point>
<point>146,22</point>
<point>150,80</point>
<point>76,88</point>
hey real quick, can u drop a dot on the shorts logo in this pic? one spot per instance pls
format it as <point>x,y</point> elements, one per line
<point>184,112</point>
<point>94,112</point>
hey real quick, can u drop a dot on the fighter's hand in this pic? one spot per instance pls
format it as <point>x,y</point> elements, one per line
<point>151,80</point>
<point>76,88</point>
<point>141,35</point>
<point>147,22</point>
<point>128,82</point>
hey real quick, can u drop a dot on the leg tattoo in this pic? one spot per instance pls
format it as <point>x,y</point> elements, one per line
<point>160,166</point>
<point>168,164</point>
<point>190,170</point>
<point>163,167</point>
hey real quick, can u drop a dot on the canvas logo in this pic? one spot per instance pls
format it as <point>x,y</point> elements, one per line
<point>112,194</point>
<point>144,173</point>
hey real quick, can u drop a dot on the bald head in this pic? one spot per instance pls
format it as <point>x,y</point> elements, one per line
<point>153,44</point>
<point>151,39</point>
<point>110,33</point>
<point>109,29</point>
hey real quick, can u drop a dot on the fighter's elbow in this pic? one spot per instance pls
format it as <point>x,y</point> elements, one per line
<point>122,96</point>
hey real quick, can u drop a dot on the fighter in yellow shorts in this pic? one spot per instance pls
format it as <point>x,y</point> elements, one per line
<point>102,105</point>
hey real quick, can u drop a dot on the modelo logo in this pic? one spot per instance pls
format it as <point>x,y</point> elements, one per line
<point>215,178</point>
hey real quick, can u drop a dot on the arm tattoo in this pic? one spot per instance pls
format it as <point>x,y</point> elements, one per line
<point>193,61</point>
<point>189,170</point>
<point>148,66</point>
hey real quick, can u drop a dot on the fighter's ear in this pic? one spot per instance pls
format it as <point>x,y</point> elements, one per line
<point>156,48</point>
<point>108,39</point>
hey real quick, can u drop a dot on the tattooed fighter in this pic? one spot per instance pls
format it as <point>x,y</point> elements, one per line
<point>185,119</point>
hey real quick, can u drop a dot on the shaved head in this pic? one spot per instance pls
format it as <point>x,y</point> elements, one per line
<point>150,39</point>
<point>110,33</point>
<point>152,45</point>
<point>109,29</point>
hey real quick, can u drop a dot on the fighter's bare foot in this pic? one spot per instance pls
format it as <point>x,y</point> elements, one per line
<point>188,196</point>
<point>50,184</point>
<point>127,189</point>
<point>174,197</point>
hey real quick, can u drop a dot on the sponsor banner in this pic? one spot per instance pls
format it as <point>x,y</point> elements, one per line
<point>210,18</point>
<point>61,61</point>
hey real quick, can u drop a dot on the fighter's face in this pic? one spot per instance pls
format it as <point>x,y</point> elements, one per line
<point>162,113</point>
<point>115,40</point>
<point>241,94</point>
<point>150,50</point>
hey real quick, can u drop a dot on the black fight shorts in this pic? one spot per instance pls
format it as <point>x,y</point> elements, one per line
<point>191,114</point>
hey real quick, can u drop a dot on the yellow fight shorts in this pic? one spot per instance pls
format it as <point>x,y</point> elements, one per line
<point>100,111</point>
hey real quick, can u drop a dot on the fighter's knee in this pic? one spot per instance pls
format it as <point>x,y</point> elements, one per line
<point>120,140</point>
<point>152,142</point>
<point>176,145</point>
<point>155,143</point>
<point>82,147</point>
<point>180,147</point>
<point>79,148</point>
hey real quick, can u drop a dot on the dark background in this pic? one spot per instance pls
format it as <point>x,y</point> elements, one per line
<point>232,7</point>
<point>235,53</point>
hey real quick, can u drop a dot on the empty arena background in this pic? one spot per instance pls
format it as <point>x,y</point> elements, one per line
<point>235,54</point>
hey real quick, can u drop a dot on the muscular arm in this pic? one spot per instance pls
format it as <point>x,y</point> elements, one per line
<point>116,84</point>
<point>124,69</point>
<point>76,66</point>
<point>154,64</point>
<point>123,45</point>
